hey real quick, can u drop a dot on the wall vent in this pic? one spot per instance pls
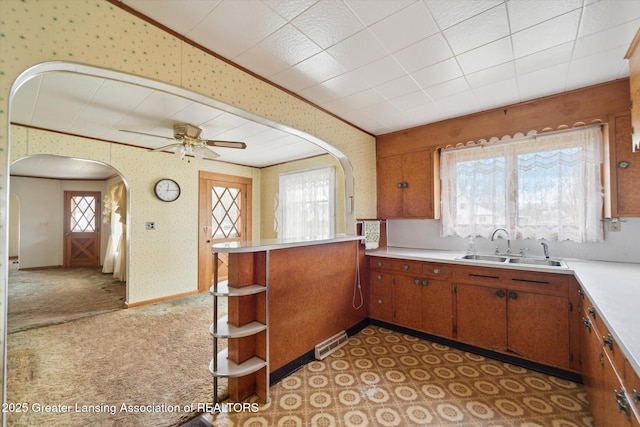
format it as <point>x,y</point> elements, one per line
<point>328,346</point>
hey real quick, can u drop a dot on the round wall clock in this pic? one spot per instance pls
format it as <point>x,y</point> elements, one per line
<point>167,190</point>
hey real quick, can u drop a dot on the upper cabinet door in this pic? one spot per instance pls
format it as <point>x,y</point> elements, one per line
<point>405,185</point>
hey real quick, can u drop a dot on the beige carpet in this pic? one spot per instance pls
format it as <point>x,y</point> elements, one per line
<point>45,297</point>
<point>154,356</point>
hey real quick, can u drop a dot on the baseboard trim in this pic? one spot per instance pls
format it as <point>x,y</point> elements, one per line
<point>156,300</point>
<point>46,267</point>
<point>538,367</point>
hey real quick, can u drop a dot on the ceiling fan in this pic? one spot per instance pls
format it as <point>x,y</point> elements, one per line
<point>190,142</point>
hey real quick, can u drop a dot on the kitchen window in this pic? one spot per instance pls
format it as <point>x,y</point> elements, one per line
<point>544,187</point>
<point>306,206</point>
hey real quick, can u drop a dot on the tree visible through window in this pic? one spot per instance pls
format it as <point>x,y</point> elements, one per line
<point>543,188</point>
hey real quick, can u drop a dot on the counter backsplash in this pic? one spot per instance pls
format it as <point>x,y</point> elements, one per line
<point>425,234</point>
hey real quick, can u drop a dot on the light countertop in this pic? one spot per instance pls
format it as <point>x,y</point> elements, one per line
<point>272,244</point>
<point>612,287</point>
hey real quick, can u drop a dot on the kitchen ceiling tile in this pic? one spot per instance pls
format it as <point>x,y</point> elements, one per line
<point>438,73</point>
<point>428,111</point>
<point>411,100</point>
<point>543,36</point>
<point>487,56</point>
<point>554,79</point>
<point>358,50</point>
<point>465,102</point>
<point>288,9</point>
<point>448,88</point>
<point>602,15</point>
<point>357,101</point>
<point>346,84</point>
<point>318,68</point>
<point>527,13</point>
<point>398,87</point>
<point>545,58</point>
<point>173,14</point>
<point>320,94</point>
<point>380,71</point>
<point>327,23</point>
<point>405,27</point>
<point>235,26</point>
<point>605,40</point>
<point>592,69</point>
<point>424,53</point>
<point>370,15</point>
<point>257,58</point>
<point>289,45</point>
<point>451,12</point>
<point>491,75</point>
<point>498,94</point>
<point>479,30</point>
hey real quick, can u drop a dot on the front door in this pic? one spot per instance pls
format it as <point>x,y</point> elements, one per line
<point>224,216</point>
<point>81,229</point>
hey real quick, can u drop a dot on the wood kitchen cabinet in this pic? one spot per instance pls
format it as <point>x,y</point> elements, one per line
<point>404,293</point>
<point>604,372</point>
<point>522,313</point>
<point>405,185</point>
<point>625,169</point>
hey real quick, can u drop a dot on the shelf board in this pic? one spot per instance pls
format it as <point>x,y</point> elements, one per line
<point>224,290</point>
<point>229,369</point>
<point>225,330</point>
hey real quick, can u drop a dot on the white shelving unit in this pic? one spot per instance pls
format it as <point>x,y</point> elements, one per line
<point>220,366</point>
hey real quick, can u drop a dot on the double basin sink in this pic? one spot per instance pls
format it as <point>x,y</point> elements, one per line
<point>504,259</point>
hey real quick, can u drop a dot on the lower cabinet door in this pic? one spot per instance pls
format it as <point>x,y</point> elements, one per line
<point>408,302</point>
<point>437,308</point>
<point>482,316</point>
<point>538,328</point>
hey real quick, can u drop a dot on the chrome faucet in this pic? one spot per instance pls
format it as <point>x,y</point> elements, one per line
<point>493,237</point>
<point>545,248</point>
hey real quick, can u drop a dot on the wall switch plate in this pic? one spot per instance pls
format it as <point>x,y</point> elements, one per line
<point>614,226</point>
<point>150,225</point>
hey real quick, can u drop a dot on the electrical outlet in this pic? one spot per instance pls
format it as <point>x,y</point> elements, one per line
<point>614,226</point>
<point>151,225</point>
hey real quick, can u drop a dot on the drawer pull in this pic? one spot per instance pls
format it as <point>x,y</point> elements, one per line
<point>405,267</point>
<point>484,276</point>
<point>581,293</point>
<point>380,301</point>
<point>513,295</point>
<point>380,263</point>
<point>500,293</point>
<point>592,312</point>
<point>379,276</point>
<point>608,340</point>
<point>587,323</point>
<point>544,282</point>
<point>636,396</point>
<point>419,281</point>
<point>623,404</point>
<point>425,282</point>
<point>436,270</point>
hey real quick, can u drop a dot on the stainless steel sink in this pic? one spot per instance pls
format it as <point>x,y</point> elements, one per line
<point>500,259</point>
<point>491,258</point>
<point>538,261</point>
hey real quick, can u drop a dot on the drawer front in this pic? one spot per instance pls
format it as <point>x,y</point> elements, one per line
<point>437,271</point>
<point>479,276</point>
<point>380,263</point>
<point>408,267</point>
<point>542,283</point>
<point>381,284</point>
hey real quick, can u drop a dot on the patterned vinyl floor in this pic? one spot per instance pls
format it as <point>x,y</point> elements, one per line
<point>386,378</point>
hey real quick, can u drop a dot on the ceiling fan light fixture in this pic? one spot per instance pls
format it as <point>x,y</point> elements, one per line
<point>180,151</point>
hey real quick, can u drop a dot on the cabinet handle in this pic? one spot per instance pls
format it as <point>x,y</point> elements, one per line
<point>581,293</point>
<point>402,185</point>
<point>416,281</point>
<point>379,276</point>
<point>636,396</point>
<point>380,263</point>
<point>425,282</point>
<point>380,301</point>
<point>500,293</point>
<point>405,267</point>
<point>513,295</point>
<point>436,270</point>
<point>484,276</point>
<point>608,340</point>
<point>543,282</point>
<point>621,400</point>
<point>592,312</point>
<point>587,323</point>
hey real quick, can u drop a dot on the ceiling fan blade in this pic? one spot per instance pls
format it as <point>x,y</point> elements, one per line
<point>226,144</point>
<point>167,147</point>
<point>205,151</point>
<point>147,134</point>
